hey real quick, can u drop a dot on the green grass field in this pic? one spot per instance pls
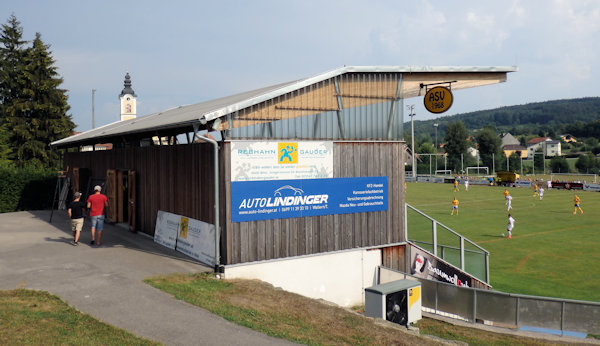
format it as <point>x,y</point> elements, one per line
<point>552,252</point>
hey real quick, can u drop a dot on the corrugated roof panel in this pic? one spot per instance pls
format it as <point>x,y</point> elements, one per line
<point>210,110</point>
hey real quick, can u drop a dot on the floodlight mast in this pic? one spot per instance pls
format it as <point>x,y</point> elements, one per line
<point>436,148</point>
<point>412,136</point>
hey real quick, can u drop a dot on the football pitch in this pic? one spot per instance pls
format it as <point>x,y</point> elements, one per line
<point>552,252</point>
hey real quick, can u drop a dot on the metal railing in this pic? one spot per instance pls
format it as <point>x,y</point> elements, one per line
<point>461,248</point>
<point>503,309</point>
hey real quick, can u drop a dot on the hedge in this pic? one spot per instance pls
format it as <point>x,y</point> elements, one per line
<point>26,188</point>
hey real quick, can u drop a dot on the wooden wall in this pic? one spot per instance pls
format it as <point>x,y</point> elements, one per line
<point>179,179</point>
<point>269,239</point>
<point>176,179</point>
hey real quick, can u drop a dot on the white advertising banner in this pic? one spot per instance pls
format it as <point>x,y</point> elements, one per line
<point>189,236</point>
<point>165,231</point>
<point>252,160</point>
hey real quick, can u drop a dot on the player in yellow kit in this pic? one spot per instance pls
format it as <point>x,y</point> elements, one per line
<point>455,185</point>
<point>576,205</point>
<point>454,206</point>
<point>506,196</point>
<point>535,190</point>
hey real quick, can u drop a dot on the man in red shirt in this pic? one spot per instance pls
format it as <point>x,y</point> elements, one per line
<point>97,203</point>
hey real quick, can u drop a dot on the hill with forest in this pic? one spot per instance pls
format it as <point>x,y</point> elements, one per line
<point>579,117</point>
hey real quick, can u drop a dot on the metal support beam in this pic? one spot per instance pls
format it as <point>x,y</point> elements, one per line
<point>434,237</point>
<point>340,109</point>
<point>462,253</point>
<point>216,197</point>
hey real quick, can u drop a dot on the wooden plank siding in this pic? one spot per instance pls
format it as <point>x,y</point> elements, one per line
<point>270,239</point>
<point>176,179</point>
<point>179,179</point>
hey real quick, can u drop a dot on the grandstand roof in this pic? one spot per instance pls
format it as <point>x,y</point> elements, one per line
<point>181,119</point>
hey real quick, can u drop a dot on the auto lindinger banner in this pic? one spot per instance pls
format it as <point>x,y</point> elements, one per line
<point>280,199</point>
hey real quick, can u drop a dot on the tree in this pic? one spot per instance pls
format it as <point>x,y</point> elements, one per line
<point>4,148</point>
<point>538,161</point>
<point>587,163</point>
<point>12,76</point>
<point>514,162</point>
<point>456,143</point>
<point>559,164</point>
<point>489,145</point>
<point>37,113</point>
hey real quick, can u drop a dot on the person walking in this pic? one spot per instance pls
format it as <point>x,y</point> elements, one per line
<point>97,203</point>
<point>76,213</point>
<point>508,202</point>
<point>577,205</point>
<point>466,184</point>
<point>511,225</point>
<point>541,191</point>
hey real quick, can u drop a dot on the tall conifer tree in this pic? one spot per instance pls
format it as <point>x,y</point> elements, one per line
<point>45,117</point>
<point>34,108</point>
<point>12,77</point>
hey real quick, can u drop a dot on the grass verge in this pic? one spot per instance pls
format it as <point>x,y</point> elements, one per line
<point>37,318</point>
<point>260,306</point>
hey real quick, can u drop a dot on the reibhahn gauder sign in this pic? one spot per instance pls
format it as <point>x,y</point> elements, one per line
<point>280,199</point>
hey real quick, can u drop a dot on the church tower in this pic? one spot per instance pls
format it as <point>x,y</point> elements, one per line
<point>128,102</point>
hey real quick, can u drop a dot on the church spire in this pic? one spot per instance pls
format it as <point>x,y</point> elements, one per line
<point>128,101</point>
<point>127,89</point>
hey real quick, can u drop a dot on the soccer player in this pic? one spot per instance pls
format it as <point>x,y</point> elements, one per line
<point>455,185</point>
<point>541,193</point>
<point>511,225</point>
<point>466,184</point>
<point>508,202</point>
<point>535,190</point>
<point>454,206</point>
<point>576,203</point>
<point>506,193</point>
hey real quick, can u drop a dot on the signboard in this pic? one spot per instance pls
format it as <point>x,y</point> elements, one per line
<point>165,231</point>
<point>280,199</point>
<point>438,99</point>
<point>189,236</point>
<point>426,266</point>
<point>251,160</point>
<point>591,187</point>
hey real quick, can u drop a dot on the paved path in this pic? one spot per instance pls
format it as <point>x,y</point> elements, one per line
<point>106,282</point>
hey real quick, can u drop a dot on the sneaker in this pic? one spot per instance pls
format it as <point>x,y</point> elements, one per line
<point>92,242</point>
<point>74,243</point>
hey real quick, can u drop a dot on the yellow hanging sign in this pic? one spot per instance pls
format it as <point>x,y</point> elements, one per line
<point>438,99</point>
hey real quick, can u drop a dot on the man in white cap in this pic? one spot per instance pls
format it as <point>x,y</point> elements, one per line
<point>97,203</point>
<point>76,214</point>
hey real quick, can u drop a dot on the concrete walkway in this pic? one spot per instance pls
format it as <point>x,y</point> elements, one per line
<point>106,282</point>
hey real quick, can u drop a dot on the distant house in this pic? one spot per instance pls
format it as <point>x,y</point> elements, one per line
<point>548,146</point>
<point>515,148</point>
<point>568,138</point>
<point>511,145</point>
<point>473,152</point>
<point>508,139</point>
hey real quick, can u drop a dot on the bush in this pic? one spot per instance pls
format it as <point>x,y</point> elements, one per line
<point>26,188</point>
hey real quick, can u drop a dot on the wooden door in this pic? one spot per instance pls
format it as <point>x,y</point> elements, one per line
<point>75,183</point>
<point>121,205</point>
<point>111,193</point>
<point>131,191</point>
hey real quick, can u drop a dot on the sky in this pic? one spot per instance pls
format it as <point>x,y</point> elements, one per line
<point>185,52</point>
